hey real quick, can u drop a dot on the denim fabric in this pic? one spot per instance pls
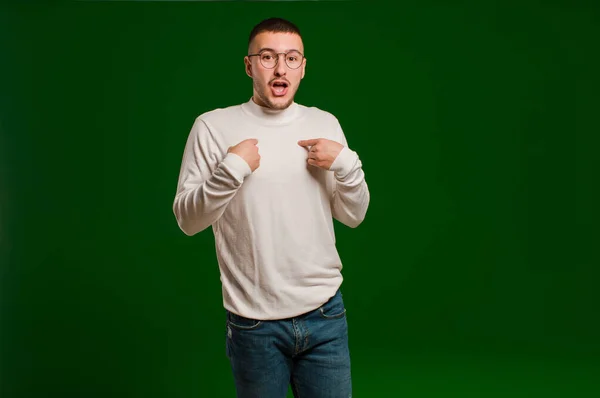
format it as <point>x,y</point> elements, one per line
<point>309,351</point>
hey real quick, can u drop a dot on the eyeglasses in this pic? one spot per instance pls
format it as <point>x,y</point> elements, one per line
<point>269,58</point>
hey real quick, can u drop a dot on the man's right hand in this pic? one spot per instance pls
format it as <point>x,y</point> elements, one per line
<point>248,151</point>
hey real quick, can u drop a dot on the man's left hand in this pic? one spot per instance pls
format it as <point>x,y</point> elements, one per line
<point>322,152</point>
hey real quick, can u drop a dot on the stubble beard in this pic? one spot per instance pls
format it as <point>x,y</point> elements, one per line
<point>264,98</point>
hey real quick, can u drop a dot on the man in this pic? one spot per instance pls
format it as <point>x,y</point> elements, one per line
<point>269,176</point>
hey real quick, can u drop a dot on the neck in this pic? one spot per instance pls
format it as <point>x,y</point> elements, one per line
<point>270,115</point>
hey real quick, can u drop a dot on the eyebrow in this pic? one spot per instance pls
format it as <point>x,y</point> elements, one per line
<point>271,49</point>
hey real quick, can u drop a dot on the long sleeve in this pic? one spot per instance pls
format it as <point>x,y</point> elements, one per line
<point>209,178</point>
<point>351,195</point>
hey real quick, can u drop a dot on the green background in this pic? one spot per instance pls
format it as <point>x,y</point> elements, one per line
<point>475,273</point>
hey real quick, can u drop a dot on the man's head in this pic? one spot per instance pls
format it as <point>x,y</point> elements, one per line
<point>275,62</point>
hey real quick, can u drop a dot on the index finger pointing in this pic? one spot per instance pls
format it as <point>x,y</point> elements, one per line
<point>308,142</point>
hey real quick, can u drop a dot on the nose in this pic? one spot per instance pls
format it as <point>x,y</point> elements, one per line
<point>280,67</point>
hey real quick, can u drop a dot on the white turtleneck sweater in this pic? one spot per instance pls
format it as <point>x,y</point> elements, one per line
<point>273,228</point>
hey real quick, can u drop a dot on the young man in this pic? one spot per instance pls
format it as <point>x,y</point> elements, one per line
<point>269,176</point>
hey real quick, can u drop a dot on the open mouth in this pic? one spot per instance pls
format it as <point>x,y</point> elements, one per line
<point>279,88</point>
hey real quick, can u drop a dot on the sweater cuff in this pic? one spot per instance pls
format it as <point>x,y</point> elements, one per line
<point>236,166</point>
<point>344,163</point>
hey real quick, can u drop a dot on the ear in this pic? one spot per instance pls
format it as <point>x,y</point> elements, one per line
<point>248,66</point>
<point>303,68</point>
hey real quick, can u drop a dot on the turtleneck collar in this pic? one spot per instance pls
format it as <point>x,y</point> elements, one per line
<point>271,116</point>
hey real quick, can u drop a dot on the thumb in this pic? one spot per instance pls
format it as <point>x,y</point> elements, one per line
<point>306,143</point>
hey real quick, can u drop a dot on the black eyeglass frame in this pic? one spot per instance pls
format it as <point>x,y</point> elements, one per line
<point>277,58</point>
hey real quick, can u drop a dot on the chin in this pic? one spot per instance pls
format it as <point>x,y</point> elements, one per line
<point>267,99</point>
<point>280,102</point>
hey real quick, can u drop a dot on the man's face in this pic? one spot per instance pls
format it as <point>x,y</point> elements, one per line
<point>275,88</point>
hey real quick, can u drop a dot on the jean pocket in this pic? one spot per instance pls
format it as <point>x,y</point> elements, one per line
<point>334,308</point>
<point>242,323</point>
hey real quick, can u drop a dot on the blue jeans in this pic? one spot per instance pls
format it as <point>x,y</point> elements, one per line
<point>309,351</point>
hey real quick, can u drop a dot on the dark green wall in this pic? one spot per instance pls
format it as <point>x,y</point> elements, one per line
<point>477,124</point>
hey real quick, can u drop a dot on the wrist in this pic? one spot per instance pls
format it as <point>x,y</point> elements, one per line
<point>344,162</point>
<point>237,166</point>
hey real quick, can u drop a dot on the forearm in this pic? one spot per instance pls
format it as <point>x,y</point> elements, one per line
<point>351,197</point>
<point>200,202</point>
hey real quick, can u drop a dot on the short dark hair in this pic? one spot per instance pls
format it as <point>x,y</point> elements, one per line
<point>275,25</point>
